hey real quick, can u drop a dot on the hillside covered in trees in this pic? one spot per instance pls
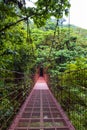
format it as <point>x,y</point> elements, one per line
<point>30,37</point>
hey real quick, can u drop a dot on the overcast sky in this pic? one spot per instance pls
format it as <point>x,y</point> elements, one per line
<point>78,12</point>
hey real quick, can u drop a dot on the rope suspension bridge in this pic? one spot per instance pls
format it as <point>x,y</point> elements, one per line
<point>39,109</point>
<point>31,102</point>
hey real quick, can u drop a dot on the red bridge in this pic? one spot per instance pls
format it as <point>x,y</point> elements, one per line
<point>41,111</point>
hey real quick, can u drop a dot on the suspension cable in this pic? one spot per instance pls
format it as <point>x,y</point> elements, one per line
<point>57,25</point>
<point>15,99</point>
<point>14,113</point>
<point>27,30</point>
<point>13,71</point>
<point>29,39</point>
<point>10,94</point>
<point>69,26</point>
<point>53,39</point>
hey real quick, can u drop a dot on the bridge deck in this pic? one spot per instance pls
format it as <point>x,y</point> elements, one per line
<point>41,111</point>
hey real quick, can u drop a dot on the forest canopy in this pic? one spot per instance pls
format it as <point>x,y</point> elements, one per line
<point>31,36</point>
<point>15,11</point>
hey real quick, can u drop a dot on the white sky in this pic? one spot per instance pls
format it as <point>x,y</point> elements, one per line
<point>78,12</point>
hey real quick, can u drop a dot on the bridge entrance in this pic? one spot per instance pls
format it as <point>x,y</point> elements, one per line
<point>41,71</point>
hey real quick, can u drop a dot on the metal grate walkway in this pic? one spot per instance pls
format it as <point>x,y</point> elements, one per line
<point>41,111</point>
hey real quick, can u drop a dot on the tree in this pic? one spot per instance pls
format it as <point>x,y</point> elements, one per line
<point>40,13</point>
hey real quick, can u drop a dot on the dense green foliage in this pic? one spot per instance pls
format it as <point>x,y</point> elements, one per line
<point>62,50</point>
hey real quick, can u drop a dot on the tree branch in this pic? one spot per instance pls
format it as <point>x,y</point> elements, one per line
<point>12,24</point>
